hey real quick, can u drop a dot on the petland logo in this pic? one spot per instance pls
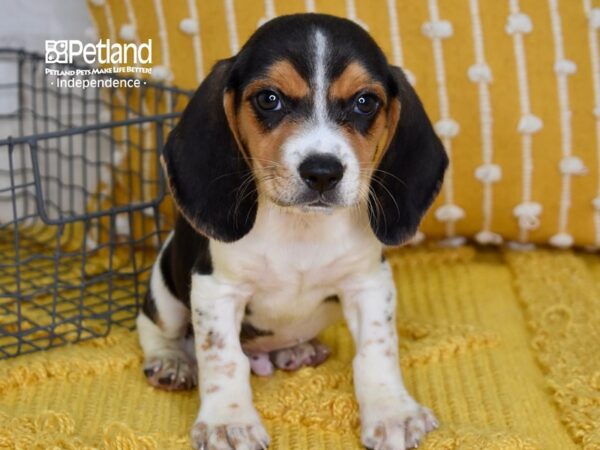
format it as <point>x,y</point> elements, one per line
<point>105,58</point>
<point>103,52</point>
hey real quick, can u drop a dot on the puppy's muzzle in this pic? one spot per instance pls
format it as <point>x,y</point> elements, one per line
<point>321,173</point>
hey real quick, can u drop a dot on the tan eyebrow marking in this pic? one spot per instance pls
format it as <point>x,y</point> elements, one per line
<point>353,79</point>
<point>283,76</point>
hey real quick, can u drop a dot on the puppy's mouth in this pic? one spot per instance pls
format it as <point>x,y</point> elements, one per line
<point>313,204</point>
<point>318,205</point>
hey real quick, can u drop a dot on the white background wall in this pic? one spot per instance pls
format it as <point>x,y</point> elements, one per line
<point>27,24</point>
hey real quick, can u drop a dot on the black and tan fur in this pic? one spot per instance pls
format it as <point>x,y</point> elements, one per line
<point>293,164</point>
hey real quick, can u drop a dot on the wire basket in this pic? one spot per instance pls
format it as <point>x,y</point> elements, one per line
<point>82,208</point>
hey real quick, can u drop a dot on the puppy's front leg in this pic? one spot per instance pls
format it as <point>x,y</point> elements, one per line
<point>390,418</point>
<point>227,418</point>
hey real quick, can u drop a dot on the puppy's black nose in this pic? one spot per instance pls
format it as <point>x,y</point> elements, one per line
<point>321,172</point>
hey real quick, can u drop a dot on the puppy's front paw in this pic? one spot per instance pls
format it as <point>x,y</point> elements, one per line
<point>229,437</point>
<point>171,371</point>
<point>399,430</point>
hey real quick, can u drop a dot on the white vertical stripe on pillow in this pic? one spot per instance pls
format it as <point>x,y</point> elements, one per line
<point>488,173</point>
<point>526,217</point>
<point>196,42</point>
<point>132,21</point>
<point>269,12</point>
<point>110,22</point>
<point>595,63</point>
<point>148,138</point>
<point>351,14</point>
<point>563,69</point>
<point>397,54</point>
<point>395,38</point>
<point>448,213</point>
<point>309,5</point>
<point>162,72</point>
<point>234,45</point>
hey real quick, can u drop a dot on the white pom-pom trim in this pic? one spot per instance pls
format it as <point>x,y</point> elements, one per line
<point>122,224</point>
<point>561,240</point>
<point>452,242</point>
<point>449,213</point>
<point>488,173</point>
<point>149,211</point>
<point>90,242</point>
<point>119,155</point>
<point>97,2</point>
<point>572,165</point>
<point>438,29</point>
<point>565,67</point>
<point>529,124</point>
<point>91,34</point>
<point>518,23</point>
<point>189,26</point>
<point>528,215</point>
<point>527,208</point>
<point>595,18</point>
<point>410,77</point>
<point>488,238</point>
<point>480,72</point>
<point>447,128</point>
<point>262,21</point>
<point>520,246</point>
<point>597,111</point>
<point>361,23</point>
<point>596,203</point>
<point>127,32</point>
<point>161,73</point>
<point>417,239</point>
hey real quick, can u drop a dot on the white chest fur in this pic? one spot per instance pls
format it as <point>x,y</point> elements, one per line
<point>290,263</point>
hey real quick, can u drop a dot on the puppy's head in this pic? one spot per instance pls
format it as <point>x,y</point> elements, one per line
<point>309,115</point>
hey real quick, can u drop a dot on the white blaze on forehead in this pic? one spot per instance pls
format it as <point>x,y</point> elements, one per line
<point>321,135</point>
<point>319,80</point>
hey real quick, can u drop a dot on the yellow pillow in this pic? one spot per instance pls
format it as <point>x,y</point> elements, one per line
<point>513,87</point>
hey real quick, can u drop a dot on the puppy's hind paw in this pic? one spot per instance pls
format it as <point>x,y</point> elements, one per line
<point>229,437</point>
<point>171,372</point>
<point>311,353</point>
<point>260,364</point>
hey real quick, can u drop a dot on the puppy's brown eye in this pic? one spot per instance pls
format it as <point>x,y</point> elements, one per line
<point>366,104</point>
<point>268,101</point>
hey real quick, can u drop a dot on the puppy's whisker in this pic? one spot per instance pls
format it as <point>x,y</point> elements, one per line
<point>242,194</point>
<point>378,208</point>
<point>384,172</point>
<point>384,187</point>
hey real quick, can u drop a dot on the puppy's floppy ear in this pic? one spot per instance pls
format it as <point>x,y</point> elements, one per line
<point>411,169</point>
<point>210,180</point>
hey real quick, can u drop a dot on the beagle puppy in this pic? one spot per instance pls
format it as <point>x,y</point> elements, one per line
<point>293,164</point>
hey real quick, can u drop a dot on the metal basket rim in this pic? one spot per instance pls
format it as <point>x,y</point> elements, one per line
<point>31,139</point>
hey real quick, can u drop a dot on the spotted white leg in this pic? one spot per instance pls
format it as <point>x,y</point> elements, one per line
<point>390,418</point>
<point>227,418</point>
<point>168,362</point>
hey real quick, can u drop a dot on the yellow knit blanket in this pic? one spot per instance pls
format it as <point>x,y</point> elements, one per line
<point>504,347</point>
